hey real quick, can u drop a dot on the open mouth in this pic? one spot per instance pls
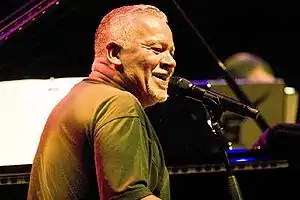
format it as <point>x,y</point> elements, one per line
<point>163,77</point>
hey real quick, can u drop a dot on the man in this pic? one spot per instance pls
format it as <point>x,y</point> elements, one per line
<point>249,66</point>
<point>98,142</point>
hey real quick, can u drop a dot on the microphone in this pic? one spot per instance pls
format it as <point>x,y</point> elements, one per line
<point>207,97</point>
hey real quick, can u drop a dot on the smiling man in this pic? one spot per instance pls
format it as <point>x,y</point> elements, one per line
<point>98,142</point>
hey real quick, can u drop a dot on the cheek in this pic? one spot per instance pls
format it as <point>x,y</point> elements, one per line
<point>147,67</point>
<point>142,65</point>
<point>150,62</point>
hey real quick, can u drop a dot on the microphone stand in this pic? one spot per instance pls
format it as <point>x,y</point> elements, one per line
<point>214,113</point>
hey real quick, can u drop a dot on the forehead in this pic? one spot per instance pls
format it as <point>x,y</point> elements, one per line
<point>153,29</point>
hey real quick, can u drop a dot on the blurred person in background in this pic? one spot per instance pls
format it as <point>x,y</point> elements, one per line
<point>249,66</point>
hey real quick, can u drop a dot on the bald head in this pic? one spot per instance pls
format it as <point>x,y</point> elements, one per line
<point>243,64</point>
<point>119,25</point>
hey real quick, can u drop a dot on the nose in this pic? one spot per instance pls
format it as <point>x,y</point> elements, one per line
<point>168,60</point>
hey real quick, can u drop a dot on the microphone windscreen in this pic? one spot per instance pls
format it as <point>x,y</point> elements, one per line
<point>180,82</point>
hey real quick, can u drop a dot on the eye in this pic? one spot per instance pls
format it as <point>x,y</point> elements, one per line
<point>157,49</point>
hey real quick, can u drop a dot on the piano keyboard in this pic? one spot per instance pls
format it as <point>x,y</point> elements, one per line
<point>218,168</point>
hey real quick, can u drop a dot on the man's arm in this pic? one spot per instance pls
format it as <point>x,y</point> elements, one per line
<point>122,159</point>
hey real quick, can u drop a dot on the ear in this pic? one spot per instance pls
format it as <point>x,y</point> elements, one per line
<point>113,53</point>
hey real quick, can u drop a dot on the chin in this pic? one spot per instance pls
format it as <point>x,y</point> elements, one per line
<point>158,96</point>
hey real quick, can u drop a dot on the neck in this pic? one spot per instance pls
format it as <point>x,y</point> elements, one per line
<point>107,73</point>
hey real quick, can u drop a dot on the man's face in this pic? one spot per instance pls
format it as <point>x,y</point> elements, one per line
<point>148,62</point>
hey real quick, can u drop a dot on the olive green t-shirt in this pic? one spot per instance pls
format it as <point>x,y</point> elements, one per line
<point>98,143</point>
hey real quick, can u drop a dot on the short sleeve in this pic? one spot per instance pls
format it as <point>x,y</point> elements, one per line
<point>122,159</point>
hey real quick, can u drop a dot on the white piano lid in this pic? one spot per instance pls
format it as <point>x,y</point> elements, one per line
<point>24,108</point>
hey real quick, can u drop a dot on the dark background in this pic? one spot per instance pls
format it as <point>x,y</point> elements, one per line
<point>60,42</point>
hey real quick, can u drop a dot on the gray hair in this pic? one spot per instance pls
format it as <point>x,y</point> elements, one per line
<point>118,25</point>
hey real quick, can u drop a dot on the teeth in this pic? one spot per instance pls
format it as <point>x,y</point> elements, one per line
<point>161,76</point>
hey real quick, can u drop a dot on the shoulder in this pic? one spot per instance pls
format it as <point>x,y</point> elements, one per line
<point>121,104</point>
<point>118,108</point>
<point>88,100</point>
<point>106,101</point>
<point>104,95</point>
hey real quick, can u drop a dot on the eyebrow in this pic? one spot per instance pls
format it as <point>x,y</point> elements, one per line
<point>154,42</point>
